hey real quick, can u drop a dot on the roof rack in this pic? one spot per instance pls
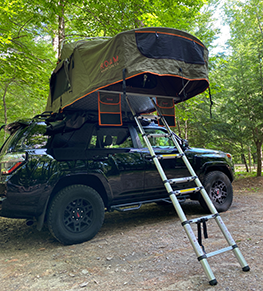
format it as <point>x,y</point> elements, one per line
<point>43,115</point>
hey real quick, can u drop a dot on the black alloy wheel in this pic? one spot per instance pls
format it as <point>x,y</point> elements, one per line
<point>75,214</point>
<point>219,190</point>
<point>78,215</point>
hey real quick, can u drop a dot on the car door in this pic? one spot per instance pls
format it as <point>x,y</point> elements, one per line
<point>126,164</point>
<point>173,167</point>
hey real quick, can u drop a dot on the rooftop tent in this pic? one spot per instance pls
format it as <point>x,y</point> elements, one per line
<point>150,62</point>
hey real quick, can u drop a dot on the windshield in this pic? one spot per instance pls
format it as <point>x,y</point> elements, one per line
<point>36,138</point>
<point>13,140</point>
<point>32,137</point>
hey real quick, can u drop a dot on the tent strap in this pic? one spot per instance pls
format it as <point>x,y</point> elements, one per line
<point>211,101</point>
<point>124,91</point>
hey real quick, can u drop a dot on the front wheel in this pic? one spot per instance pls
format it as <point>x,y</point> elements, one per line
<point>75,214</point>
<point>219,190</point>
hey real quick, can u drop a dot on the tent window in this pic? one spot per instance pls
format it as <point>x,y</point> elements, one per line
<point>159,45</point>
<point>59,83</point>
<point>147,81</point>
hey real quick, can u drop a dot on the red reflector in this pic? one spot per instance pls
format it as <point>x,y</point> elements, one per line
<point>16,165</point>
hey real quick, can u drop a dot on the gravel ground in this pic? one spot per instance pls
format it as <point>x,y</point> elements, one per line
<point>146,249</point>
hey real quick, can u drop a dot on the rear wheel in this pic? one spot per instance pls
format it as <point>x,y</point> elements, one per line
<point>219,189</point>
<point>75,214</point>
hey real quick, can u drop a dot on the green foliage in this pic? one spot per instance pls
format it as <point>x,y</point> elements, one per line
<point>29,28</point>
<point>177,14</point>
<point>91,18</point>
<point>236,83</point>
<point>26,60</point>
<point>245,70</point>
<point>243,174</point>
<point>29,34</point>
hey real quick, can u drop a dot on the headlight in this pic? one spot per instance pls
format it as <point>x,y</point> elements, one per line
<point>11,162</point>
<point>229,156</point>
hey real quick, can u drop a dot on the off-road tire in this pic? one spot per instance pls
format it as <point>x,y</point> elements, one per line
<point>75,214</point>
<point>219,189</point>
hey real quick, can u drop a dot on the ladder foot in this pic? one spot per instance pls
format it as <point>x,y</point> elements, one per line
<point>213,282</point>
<point>246,269</point>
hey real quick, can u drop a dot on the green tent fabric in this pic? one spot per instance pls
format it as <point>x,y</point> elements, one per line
<point>154,62</point>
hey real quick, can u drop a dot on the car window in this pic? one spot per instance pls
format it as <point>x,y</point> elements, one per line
<point>13,141</point>
<point>111,137</point>
<point>91,136</point>
<point>159,142</point>
<point>77,138</point>
<point>36,138</point>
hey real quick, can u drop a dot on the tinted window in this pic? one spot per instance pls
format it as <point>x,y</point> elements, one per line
<point>156,141</point>
<point>59,83</point>
<point>78,138</point>
<point>36,138</point>
<point>160,45</point>
<point>91,136</point>
<point>111,137</point>
<point>14,140</point>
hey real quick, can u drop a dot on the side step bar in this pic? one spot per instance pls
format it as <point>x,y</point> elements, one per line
<point>137,205</point>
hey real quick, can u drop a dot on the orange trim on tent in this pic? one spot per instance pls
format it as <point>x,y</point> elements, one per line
<point>168,33</point>
<point>145,72</point>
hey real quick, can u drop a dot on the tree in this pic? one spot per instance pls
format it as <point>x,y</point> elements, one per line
<point>28,29</point>
<point>26,60</point>
<point>236,84</point>
<point>238,76</point>
<point>245,19</point>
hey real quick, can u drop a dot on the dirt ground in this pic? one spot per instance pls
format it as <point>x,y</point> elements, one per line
<point>146,249</point>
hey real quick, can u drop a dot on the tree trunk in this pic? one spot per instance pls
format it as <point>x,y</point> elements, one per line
<point>186,129</point>
<point>4,102</point>
<point>258,139</point>
<point>178,125</point>
<point>61,28</point>
<point>249,158</point>
<point>259,158</point>
<point>4,99</point>
<point>245,162</point>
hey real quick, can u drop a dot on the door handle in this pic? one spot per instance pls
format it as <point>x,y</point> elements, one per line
<point>100,158</point>
<point>148,157</point>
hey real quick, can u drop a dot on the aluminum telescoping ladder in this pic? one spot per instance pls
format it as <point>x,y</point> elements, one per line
<point>200,253</point>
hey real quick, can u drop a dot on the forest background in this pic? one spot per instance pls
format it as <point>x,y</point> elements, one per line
<point>32,33</point>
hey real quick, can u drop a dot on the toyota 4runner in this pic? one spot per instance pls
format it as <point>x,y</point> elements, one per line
<point>69,178</point>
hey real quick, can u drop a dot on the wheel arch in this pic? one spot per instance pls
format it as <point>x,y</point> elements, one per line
<point>92,181</point>
<point>218,167</point>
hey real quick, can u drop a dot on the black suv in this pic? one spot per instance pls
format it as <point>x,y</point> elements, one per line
<point>69,178</point>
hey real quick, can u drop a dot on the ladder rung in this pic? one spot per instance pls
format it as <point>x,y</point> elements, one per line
<point>219,251</point>
<point>182,180</point>
<point>169,156</point>
<point>184,191</point>
<point>199,219</point>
